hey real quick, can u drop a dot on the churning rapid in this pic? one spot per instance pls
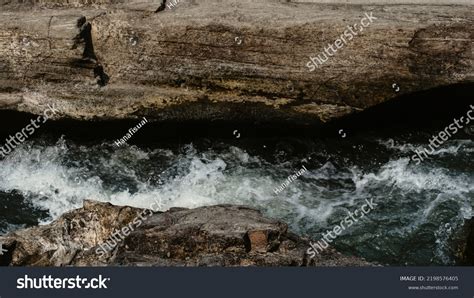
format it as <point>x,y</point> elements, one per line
<point>419,207</point>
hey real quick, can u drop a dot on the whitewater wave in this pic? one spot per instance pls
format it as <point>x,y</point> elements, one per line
<point>450,147</point>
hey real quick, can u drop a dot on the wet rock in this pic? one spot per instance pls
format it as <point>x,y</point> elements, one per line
<point>60,242</point>
<point>222,235</point>
<point>464,244</point>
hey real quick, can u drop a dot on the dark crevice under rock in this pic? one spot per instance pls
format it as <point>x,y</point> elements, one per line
<point>427,110</point>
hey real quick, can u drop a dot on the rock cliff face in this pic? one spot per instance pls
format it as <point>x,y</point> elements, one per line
<point>225,60</point>
<point>222,235</point>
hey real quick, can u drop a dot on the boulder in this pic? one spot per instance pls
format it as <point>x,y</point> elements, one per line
<point>100,234</point>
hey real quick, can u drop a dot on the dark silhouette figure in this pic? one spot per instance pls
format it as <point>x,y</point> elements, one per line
<point>162,6</point>
<point>85,36</point>
<point>89,58</point>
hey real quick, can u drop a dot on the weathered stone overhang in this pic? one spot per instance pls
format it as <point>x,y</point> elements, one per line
<point>226,60</point>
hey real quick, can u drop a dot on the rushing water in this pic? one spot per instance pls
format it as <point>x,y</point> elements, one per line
<point>419,207</point>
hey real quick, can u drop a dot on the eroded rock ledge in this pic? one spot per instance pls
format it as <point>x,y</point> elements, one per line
<point>222,235</point>
<point>224,60</point>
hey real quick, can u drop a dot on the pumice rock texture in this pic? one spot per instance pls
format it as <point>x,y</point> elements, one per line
<point>179,237</point>
<point>225,60</point>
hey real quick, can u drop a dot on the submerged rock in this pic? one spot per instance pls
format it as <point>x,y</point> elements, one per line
<point>100,234</point>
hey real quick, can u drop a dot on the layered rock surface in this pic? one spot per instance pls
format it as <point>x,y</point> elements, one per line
<point>222,235</point>
<point>225,60</point>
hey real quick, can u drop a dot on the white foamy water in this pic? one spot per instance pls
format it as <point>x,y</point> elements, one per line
<point>450,147</point>
<point>41,175</point>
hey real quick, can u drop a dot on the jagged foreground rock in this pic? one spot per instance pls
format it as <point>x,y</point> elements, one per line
<point>222,235</point>
<point>225,60</point>
<point>464,244</point>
